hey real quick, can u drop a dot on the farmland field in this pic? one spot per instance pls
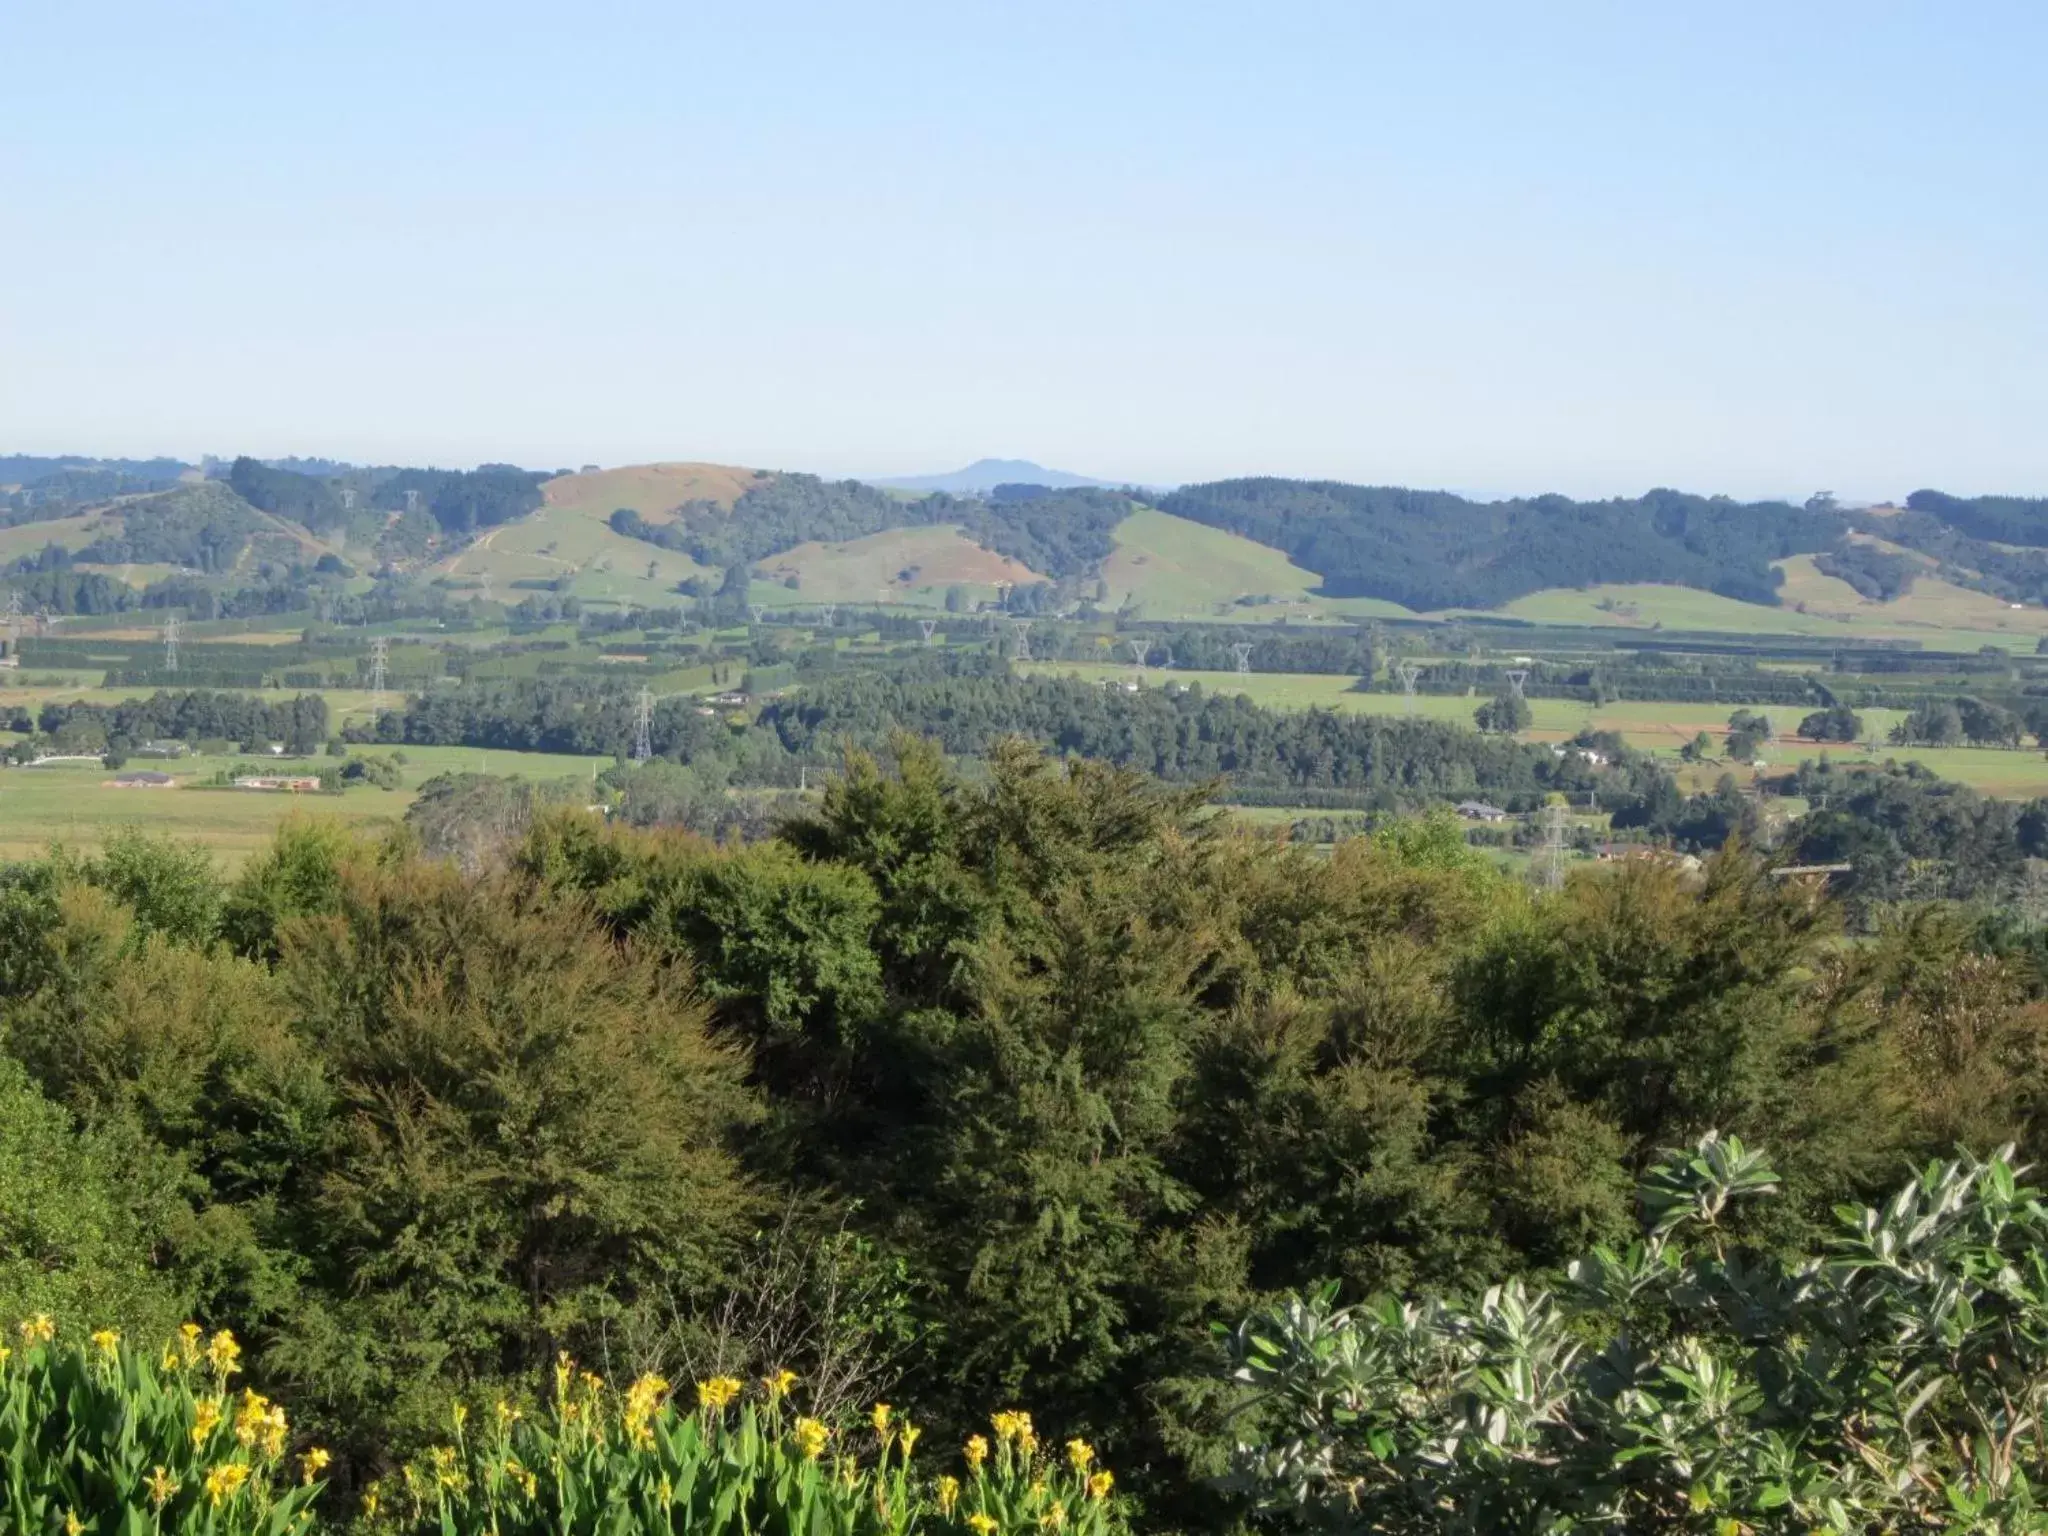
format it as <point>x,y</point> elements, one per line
<point>73,804</point>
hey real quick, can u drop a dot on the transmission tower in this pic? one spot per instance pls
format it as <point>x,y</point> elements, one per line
<point>826,611</point>
<point>487,586</point>
<point>412,501</point>
<point>1243,652</point>
<point>1517,676</point>
<point>170,642</point>
<point>1140,649</point>
<point>927,625</point>
<point>42,622</point>
<point>1551,870</point>
<point>1409,672</point>
<point>1022,629</point>
<point>757,609</point>
<point>380,660</point>
<point>348,499</point>
<point>13,618</point>
<point>643,727</point>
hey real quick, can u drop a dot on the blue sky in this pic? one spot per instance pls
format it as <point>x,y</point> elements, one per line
<point>1755,248</point>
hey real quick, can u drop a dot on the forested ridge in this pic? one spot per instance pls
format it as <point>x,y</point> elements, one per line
<point>1432,549</point>
<point>993,1092</point>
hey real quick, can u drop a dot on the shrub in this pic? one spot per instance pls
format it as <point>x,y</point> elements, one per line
<point>1893,1383</point>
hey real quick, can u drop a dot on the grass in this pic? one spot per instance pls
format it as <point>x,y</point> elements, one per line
<point>1171,568</point>
<point>861,570</point>
<point>72,803</point>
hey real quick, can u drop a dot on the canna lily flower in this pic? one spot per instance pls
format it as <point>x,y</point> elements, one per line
<point>949,1494</point>
<point>879,1417</point>
<point>1100,1484</point>
<point>373,1495</point>
<point>205,1417</point>
<point>189,1335</point>
<point>716,1392</point>
<point>108,1342</point>
<point>907,1437</point>
<point>161,1486</point>
<point>38,1329</point>
<point>977,1450</point>
<point>982,1525</point>
<point>225,1481</point>
<point>73,1526</point>
<point>312,1463</point>
<point>811,1436</point>
<point>224,1354</point>
<point>778,1385</point>
<point>1011,1425</point>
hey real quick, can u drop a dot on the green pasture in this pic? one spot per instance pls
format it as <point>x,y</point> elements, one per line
<point>72,803</point>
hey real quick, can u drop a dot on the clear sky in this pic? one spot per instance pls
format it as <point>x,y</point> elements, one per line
<point>1762,248</point>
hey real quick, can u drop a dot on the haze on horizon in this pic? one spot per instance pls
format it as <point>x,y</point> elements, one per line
<point>1587,248</point>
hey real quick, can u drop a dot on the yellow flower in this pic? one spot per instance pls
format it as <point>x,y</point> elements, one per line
<point>1013,1426</point>
<point>1053,1519</point>
<point>879,1417</point>
<point>205,1416</point>
<point>1079,1454</point>
<point>908,1436</point>
<point>949,1494</point>
<point>5,1354</point>
<point>811,1436</point>
<point>224,1354</point>
<point>778,1385</point>
<point>977,1450</point>
<point>274,1433</point>
<point>108,1343</point>
<point>1100,1484</point>
<point>189,1335</point>
<point>253,1417</point>
<point>983,1525</point>
<point>506,1413</point>
<point>460,1413</point>
<point>161,1486</point>
<point>312,1463</point>
<point>564,1369</point>
<point>373,1495</point>
<point>225,1481</point>
<point>73,1526</point>
<point>716,1392</point>
<point>170,1360</point>
<point>38,1329</point>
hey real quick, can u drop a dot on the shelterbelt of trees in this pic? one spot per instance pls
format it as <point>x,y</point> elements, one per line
<point>955,1095</point>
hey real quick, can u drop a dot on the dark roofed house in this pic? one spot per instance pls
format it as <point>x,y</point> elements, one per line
<point>142,779</point>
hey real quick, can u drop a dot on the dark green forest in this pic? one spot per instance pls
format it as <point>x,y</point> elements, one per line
<point>1432,549</point>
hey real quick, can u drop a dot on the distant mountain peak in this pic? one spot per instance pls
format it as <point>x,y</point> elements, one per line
<point>986,474</point>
